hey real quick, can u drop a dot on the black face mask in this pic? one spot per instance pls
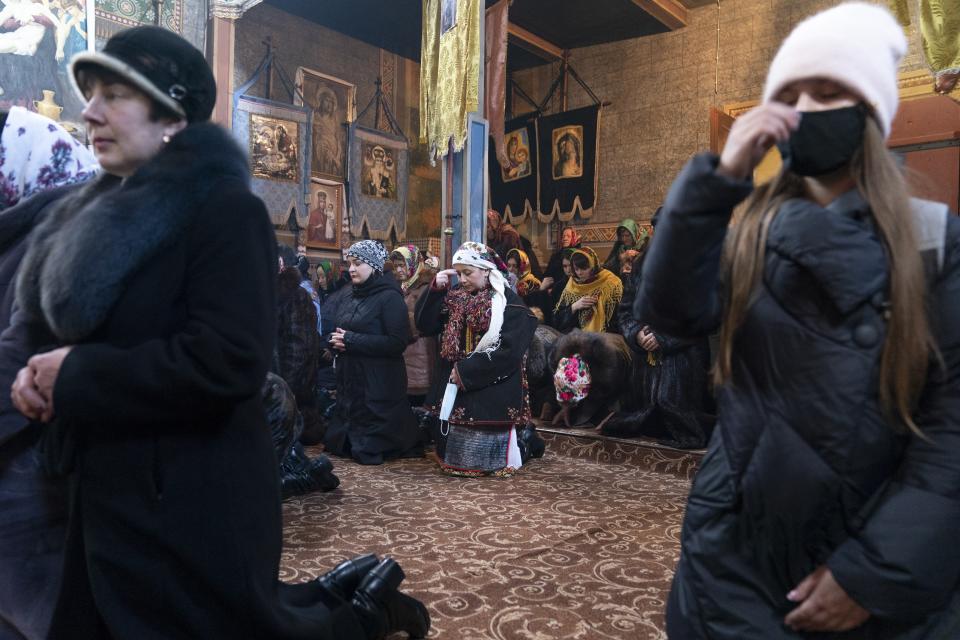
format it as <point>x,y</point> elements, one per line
<point>825,140</point>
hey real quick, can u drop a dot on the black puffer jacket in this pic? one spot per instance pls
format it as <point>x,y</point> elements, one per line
<point>373,420</point>
<point>803,470</point>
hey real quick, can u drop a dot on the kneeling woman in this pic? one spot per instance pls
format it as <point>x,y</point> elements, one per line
<point>590,299</point>
<point>372,421</point>
<point>485,333</point>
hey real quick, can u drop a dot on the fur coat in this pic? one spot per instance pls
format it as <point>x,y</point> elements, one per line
<point>164,284</point>
<point>298,349</point>
<point>667,394</point>
<point>609,361</point>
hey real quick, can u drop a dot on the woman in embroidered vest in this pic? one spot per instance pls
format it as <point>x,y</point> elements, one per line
<point>149,370</point>
<point>410,268</point>
<point>485,332</point>
<point>590,299</point>
<point>828,503</point>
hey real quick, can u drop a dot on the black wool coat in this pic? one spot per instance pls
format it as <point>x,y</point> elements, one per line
<point>803,470</point>
<point>373,421</point>
<point>164,284</point>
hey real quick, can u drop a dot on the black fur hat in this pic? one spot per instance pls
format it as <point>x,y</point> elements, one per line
<point>161,64</point>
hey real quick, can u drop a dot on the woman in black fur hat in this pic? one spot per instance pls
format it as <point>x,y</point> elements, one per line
<point>149,370</point>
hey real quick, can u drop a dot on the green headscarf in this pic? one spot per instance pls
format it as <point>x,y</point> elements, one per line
<point>634,230</point>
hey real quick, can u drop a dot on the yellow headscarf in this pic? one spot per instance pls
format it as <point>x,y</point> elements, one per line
<point>526,282</point>
<point>603,284</point>
<point>411,256</point>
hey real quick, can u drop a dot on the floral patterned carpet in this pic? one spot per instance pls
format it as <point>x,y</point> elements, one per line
<point>579,544</point>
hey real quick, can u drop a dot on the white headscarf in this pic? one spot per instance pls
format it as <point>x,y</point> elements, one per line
<point>37,154</point>
<point>475,254</point>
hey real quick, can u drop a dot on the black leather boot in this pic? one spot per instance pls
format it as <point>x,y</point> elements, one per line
<point>530,443</point>
<point>343,580</point>
<point>382,609</point>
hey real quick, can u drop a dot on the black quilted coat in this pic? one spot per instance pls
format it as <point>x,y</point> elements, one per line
<point>372,420</point>
<point>802,469</point>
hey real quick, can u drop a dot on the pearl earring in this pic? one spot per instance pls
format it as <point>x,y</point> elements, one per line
<point>166,138</point>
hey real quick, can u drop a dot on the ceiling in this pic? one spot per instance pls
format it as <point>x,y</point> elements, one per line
<point>394,25</point>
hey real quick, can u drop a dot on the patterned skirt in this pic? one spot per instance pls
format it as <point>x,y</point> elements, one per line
<point>473,452</point>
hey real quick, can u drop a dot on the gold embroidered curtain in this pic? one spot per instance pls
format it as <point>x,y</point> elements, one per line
<point>449,72</point>
<point>939,31</point>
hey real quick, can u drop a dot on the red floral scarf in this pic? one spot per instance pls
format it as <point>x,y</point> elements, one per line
<point>468,320</point>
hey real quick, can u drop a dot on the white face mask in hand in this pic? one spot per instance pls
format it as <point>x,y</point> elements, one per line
<point>446,407</point>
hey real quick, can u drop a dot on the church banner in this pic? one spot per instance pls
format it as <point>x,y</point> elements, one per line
<point>568,146</point>
<point>379,167</point>
<point>450,60</point>
<point>513,188</point>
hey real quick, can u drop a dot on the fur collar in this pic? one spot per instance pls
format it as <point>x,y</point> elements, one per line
<point>85,252</point>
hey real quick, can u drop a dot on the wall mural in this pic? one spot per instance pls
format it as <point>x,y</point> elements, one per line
<point>37,40</point>
<point>114,15</point>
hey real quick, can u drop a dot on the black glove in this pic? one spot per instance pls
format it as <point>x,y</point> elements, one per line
<point>382,609</point>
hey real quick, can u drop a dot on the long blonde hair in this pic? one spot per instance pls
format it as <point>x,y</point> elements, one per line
<point>909,342</point>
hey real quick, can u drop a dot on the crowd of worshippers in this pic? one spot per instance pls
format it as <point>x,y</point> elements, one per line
<point>381,355</point>
<point>373,347</point>
<point>148,332</point>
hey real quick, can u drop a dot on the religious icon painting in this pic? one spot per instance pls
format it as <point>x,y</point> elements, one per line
<point>379,174</point>
<point>332,102</point>
<point>378,177</point>
<point>513,186</point>
<point>567,152</point>
<point>323,223</point>
<point>448,15</point>
<point>568,145</point>
<point>274,145</point>
<point>517,144</point>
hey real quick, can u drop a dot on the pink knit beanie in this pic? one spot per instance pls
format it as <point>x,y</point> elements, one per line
<point>856,44</point>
